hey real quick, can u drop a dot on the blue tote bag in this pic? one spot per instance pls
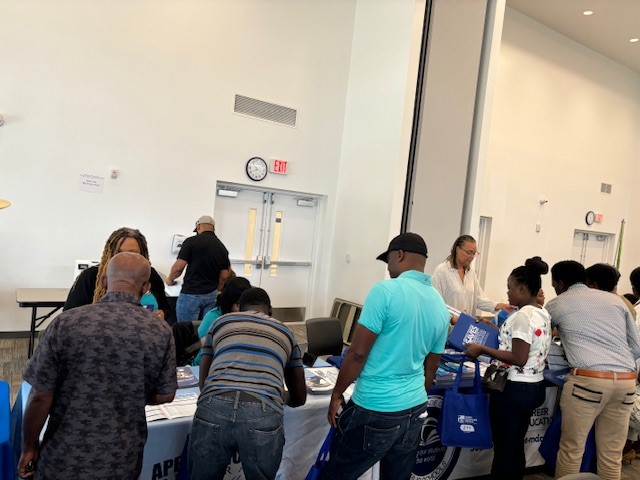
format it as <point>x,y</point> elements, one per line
<point>464,419</point>
<point>314,473</point>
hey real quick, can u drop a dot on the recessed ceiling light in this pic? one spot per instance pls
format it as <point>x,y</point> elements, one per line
<point>586,13</point>
<point>634,40</point>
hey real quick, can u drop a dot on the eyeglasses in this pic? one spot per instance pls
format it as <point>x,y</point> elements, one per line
<point>469,252</point>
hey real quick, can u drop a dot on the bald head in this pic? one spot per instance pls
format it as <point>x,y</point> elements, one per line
<point>128,272</point>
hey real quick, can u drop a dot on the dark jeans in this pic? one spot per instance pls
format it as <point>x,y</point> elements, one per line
<point>365,437</point>
<point>510,412</point>
<point>223,426</point>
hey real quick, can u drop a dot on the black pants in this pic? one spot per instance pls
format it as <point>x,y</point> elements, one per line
<point>510,411</point>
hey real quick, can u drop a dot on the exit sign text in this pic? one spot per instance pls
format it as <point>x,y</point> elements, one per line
<point>279,166</point>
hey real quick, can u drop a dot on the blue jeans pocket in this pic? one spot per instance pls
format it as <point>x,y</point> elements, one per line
<point>266,448</point>
<point>204,437</point>
<point>345,415</point>
<point>379,440</point>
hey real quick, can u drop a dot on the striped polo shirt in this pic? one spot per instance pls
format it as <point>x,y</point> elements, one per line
<point>250,353</point>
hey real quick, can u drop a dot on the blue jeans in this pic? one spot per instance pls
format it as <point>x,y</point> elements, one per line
<point>510,411</point>
<point>193,307</point>
<point>365,437</point>
<point>225,426</point>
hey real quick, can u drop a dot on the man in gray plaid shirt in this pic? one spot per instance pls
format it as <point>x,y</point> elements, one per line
<point>95,369</point>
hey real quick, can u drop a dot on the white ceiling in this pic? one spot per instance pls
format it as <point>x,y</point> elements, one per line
<point>607,31</point>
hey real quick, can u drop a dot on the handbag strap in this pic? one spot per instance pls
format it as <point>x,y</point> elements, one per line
<point>326,446</point>
<point>477,379</point>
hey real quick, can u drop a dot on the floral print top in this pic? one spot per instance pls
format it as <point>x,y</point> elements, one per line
<point>532,325</point>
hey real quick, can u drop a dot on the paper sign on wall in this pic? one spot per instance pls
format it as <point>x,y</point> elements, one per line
<point>90,183</point>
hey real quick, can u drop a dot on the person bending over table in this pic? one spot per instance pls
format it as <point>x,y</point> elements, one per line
<point>602,344</point>
<point>226,302</point>
<point>458,283</point>
<point>88,287</point>
<point>95,369</point>
<point>525,338</point>
<point>240,410</point>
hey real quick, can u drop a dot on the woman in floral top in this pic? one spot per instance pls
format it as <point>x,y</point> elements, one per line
<point>524,344</point>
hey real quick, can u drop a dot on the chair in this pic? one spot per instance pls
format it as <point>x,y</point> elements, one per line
<point>324,336</point>
<point>187,341</point>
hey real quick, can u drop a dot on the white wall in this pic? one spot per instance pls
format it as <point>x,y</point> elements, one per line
<point>447,121</point>
<point>565,119</point>
<point>148,87</point>
<point>375,145</point>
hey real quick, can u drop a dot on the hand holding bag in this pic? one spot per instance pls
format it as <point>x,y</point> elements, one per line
<point>314,473</point>
<point>495,378</point>
<point>464,420</point>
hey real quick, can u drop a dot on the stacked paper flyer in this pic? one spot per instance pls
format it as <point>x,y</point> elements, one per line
<point>321,380</point>
<point>184,405</point>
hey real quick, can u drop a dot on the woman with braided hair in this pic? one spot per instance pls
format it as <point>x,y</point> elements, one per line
<point>88,287</point>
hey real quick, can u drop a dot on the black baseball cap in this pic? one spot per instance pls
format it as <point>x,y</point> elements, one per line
<point>409,242</point>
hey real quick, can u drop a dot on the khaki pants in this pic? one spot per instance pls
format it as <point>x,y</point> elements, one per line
<point>606,402</point>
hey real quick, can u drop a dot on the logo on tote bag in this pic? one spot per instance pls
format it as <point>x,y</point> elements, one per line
<point>467,423</point>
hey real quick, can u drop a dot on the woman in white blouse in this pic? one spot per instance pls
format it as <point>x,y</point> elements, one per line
<point>459,285</point>
<point>524,345</point>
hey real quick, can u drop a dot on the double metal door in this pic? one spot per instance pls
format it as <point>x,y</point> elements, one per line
<point>270,236</point>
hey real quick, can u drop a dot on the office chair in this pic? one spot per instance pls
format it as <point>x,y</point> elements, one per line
<point>187,341</point>
<point>324,336</point>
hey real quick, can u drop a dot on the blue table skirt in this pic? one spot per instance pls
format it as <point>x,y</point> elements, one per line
<point>7,462</point>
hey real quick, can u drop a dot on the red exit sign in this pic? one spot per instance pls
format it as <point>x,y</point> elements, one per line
<point>279,166</point>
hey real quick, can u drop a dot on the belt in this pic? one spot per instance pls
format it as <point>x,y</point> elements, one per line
<point>242,396</point>
<point>601,374</point>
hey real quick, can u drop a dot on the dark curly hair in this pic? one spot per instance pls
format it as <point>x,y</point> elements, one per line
<point>231,291</point>
<point>529,274</point>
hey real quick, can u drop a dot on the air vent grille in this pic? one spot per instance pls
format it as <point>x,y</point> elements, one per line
<point>262,110</point>
<point>605,188</point>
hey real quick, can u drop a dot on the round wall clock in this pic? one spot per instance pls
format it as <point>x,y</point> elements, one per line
<point>590,217</point>
<point>257,169</point>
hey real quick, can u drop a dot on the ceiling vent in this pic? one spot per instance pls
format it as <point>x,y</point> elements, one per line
<point>605,188</point>
<point>262,110</point>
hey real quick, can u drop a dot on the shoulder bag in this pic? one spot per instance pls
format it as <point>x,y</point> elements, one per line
<point>495,377</point>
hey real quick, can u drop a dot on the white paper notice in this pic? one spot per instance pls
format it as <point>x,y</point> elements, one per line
<point>90,183</point>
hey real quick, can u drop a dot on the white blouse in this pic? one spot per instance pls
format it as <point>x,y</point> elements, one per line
<point>465,296</point>
<point>533,326</point>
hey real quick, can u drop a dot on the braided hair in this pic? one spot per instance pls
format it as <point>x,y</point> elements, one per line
<point>529,274</point>
<point>111,248</point>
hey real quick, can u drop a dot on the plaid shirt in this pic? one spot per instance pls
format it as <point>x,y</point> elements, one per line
<point>596,328</point>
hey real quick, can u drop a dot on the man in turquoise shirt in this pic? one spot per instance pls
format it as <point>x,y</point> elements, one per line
<point>394,355</point>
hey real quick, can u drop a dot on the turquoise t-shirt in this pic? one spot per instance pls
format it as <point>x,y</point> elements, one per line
<point>411,321</point>
<point>149,299</point>
<point>208,319</point>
